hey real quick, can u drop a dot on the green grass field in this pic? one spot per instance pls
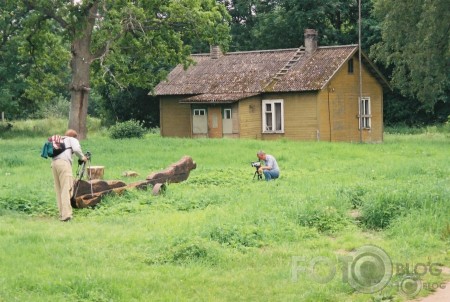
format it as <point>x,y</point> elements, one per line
<point>222,236</point>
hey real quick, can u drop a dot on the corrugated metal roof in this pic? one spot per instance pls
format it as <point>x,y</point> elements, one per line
<point>237,74</point>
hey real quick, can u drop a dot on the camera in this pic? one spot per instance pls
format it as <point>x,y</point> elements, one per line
<point>88,156</point>
<point>256,164</point>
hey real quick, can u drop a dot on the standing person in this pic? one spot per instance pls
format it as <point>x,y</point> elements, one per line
<point>270,167</point>
<point>62,173</point>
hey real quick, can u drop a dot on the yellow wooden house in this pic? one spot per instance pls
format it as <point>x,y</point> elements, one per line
<point>306,93</point>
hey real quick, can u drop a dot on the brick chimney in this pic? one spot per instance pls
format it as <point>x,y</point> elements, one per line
<point>310,40</point>
<point>215,51</point>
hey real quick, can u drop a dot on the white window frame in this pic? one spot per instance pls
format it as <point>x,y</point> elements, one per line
<point>365,113</point>
<point>272,128</point>
<point>227,114</point>
<point>199,111</point>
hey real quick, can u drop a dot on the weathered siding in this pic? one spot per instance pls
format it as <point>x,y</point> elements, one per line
<point>235,118</point>
<point>175,118</point>
<point>338,106</point>
<point>250,118</point>
<point>300,116</point>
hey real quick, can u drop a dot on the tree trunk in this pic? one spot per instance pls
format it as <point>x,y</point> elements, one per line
<point>80,65</point>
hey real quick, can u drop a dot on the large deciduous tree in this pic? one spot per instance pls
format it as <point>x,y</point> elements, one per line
<point>29,53</point>
<point>129,43</point>
<point>269,24</point>
<point>415,44</point>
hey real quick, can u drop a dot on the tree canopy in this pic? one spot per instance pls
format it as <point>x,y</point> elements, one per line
<point>415,44</point>
<point>125,43</point>
<point>114,51</point>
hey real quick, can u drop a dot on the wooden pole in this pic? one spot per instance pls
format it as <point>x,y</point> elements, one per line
<point>360,73</point>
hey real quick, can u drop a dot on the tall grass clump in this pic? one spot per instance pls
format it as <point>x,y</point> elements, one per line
<point>238,236</point>
<point>185,251</point>
<point>381,209</point>
<point>42,127</point>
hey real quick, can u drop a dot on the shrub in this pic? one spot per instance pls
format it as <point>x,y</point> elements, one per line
<point>127,129</point>
<point>57,108</point>
<point>4,126</point>
<point>325,219</point>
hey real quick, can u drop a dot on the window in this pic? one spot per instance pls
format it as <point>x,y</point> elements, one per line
<point>365,113</point>
<point>273,116</point>
<point>227,114</point>
<point>199,112</point>
<point>350,66</point>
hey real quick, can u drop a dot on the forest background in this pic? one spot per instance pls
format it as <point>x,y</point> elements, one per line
<point>409,42</point>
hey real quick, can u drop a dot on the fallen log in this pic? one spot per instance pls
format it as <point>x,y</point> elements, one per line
<point>91,192</point>
<point>175,173</point>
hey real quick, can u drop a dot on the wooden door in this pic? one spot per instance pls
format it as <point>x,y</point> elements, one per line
<point>214,122</point>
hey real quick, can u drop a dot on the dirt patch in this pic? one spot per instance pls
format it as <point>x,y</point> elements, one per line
<point>441,295</point>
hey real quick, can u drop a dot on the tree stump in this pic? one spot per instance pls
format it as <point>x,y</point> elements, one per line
<point>95,172</point>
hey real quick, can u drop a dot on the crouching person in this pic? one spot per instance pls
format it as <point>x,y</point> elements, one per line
<point>269,167</point>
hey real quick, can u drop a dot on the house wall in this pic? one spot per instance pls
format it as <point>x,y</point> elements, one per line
<point>326,115</point>
<point>175,118</point>
<point>338,106</point>
<point>250,118</point>
<point>300,116</point>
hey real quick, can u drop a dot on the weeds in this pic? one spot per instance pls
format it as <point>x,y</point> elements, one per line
<point>220,235</point>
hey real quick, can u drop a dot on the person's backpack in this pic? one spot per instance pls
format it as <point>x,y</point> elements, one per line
<point>54,146</point>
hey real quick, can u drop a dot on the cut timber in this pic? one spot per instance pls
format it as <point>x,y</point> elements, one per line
<point>95,172</point>
<point>97,185</point>
<point>91,192</point>
<point>176,172</point>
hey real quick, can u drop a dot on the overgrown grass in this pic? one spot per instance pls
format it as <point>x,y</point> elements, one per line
<point>220,235</point>
<point>42,127</point>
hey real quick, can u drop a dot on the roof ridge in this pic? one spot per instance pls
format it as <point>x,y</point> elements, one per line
<point>338,46</point>
<point>247,52</point>
<point>273,50</point>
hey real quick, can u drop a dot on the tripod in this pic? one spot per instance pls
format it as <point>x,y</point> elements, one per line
<point>257,174</point>
<point>80,173</point>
